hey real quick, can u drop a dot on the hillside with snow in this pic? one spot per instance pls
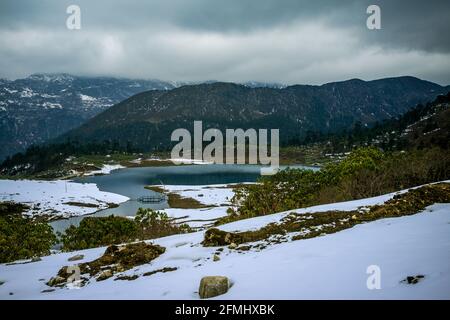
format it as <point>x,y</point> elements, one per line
<point>331,266</point>
<point>43,106</point>
<point>57,199</point>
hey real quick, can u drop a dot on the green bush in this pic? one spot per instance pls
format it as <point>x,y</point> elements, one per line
<point>155,224</point>
<point>102,231</point>
<point>365,172</point>
<point>21,237</point>
<point>99,231</point>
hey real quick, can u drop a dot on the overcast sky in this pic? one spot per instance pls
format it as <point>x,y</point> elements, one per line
<point>286,41</point>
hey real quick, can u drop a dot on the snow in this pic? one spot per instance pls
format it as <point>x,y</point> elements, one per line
<point>189,161</point>
<point>333,266</point>
<point>51,197</point>
<point>106,169</point>
<point>136,161</point>
<point>329,267</point>
<point>259,222</point>
<point>197,218</point>
<point>86,98</point>
<point>51,105</point>
<point>10,90</point>
<point>217,196</point>
<point>27,93</point>
<point>45,95</point>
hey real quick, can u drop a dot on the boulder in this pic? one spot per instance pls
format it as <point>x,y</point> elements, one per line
<point>105,275</point>
<point>213,286</point>
<point>76,257</point>
<point>56,281</point>
<point>232,246</point>
<point>216,258</point>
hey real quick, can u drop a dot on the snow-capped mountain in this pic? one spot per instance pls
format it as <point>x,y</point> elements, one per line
<point>42,106</point>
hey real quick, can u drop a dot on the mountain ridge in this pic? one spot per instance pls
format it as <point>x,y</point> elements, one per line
<point>148,118</point>
<point>43,106</point>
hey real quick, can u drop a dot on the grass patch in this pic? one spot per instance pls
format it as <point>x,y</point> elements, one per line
<point>81,204</point>
<point>176,201</point>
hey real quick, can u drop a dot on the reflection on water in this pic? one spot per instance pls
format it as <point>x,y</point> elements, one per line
<point>131,182</point>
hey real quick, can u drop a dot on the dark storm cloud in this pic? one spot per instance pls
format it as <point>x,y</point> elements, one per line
<point>235,40</point>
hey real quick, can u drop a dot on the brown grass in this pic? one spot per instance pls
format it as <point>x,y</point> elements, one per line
<point>176,201</point>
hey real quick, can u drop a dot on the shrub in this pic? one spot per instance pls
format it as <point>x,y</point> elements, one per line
<point>365,172</point>
<point>99,231</point>
<point>21,237</point>
<point>156,224</point>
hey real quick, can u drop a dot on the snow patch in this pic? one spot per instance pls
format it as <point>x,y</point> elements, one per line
<point>51,197</point>
<point>50,105</point>
<point>106,169</point>
<point>86,98</point>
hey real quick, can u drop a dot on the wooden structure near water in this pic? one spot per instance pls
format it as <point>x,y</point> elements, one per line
<point>152,199</point>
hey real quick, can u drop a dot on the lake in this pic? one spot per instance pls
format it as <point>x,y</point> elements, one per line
<point>130,182</point>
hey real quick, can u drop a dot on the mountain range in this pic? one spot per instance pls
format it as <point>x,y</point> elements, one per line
<point>146,120</point>
<point>43,106</point>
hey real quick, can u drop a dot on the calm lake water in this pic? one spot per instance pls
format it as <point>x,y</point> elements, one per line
<point>130,182</point>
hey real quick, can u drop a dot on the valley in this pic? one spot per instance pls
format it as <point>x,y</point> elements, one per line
<point>252,235</point>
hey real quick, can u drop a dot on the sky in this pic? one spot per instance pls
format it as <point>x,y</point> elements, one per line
<point>283,41</point>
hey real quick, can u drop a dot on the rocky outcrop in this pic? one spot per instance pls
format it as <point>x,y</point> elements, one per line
<point>215,237</point>
<point>115,259</point>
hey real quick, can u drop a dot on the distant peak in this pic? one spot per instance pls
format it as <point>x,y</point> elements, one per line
<point>52,77</point>
<point>259,84</point>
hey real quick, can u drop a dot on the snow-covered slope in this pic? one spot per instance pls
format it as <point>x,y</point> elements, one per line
<point>217,197</point>
<point>43,106</point>
<point>58,198</point>
<point>328,267</point>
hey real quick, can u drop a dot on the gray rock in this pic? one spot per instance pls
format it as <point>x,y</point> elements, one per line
<point>216,257</point>
<point>55,281</point>
<point>213,286</point>
<point>76,257</point>
<point>105,275</point>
